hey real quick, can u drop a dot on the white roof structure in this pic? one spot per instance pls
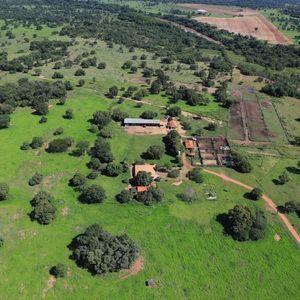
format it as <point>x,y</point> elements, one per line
<point>141,121</point>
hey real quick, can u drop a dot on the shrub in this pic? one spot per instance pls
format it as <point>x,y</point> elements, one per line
<point>174,173</point>
<point>105,132</point>
<point>283,178</point>
<point>25,146</point>
<point>4,190</point>
<point>101,118</point>
<point>58,131</point>
<point>36,142</point>
<point>1,242</point>
<point>195,175</point>
<point>92,194</point>
<point>152,196</point>
<point>59,270</point>
<point>113,169</point>
<point>241,163</point>
<point>100,252</point>
<point>174,111</point>
<point>35,179</point>
<point>148,114</point>
<point>79,72</point>
<point>68,114</point>
<point>291,206</point>
<point>189,195</point>
<point>93,174</point>
<point>43,119</point>
<point>143,179</point>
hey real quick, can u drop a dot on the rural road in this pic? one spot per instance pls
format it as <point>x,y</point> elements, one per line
<point>267,200</point>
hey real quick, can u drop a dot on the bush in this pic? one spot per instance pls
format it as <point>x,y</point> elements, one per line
<point>143,179</point>
<point>93,175</point>
<point>100,252</point>
<point>68,114</point>
<point>1,242</point>
<point>174,111</point>
<point>195,175</point>
<point>211,127</point>
<point>105,132</point>
<point>25,146</point>
<point>59,145</point>
<point>43,119</point>
<point>59,270</point>
<point>4,121</point>
<point>35,179</point>
<point>189,195</point>
<point>4,190</point>
<point>118,115</point>
<point>92,194</point>
<point>36,142</point>
<point>283,178</point>
<point>79,72</point>
<point>152,196</point>
<point>58,131</point>
<point>174,173</point>
<point>113,169</point>
<point>148,114</point>
<point>101,118</point>
<point>291,206</point>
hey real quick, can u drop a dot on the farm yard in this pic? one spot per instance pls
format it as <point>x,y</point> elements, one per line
<point>127,117</point>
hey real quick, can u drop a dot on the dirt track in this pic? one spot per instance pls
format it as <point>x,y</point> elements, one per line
<point>267,200</point>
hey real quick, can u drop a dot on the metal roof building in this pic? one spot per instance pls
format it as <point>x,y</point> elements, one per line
<point>141,122</point>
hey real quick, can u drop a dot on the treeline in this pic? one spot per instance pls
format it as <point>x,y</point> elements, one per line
<point>276,57</point>
<point>41,51</point>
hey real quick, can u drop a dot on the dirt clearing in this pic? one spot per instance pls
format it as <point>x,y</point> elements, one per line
<point>136,267</point>
<point>251,25</point>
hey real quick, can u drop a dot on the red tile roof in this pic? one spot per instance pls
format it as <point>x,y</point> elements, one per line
<point>141,189</point>
<point>189,144</point>
<point>172,123</point>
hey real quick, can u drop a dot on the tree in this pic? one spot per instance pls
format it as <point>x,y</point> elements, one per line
<point>105,132</point>
<point>101,65</point>
<point>291,206</point>
<point>174,111</point>
<point>118,115</point>
<point>211,127</point>
<point>150,197</point>
<point>125,196</point>
<point>78,182</point>
<point>195,175</point>
<point>242,225</point>
<point>58,131</point>
<point>57,75</point>
<point>101,118</point>
<point>81,82</point>
<point>4,190</point>
<point>143,179</point>
<point>35,179</point>
<point>81,148</point>
<point>113,91</point>
<point>155,87</point>
<point>172,143</point>
<point>113,169</point>
<point>41,108</point>
<point>4,121</point>
<point>101,252</point>
<point>283,178</point>
<point>92,194</point>
<point>43,120</point>
<point>241,163</point>
<point>148,114</point>
<point>154,152</point>
<point>59,271</point>
<point>36,142</point>
<point>102,151</point>
<point>68,114</point>
<point>79,72</point>
<point>256,194</point>
<point>59,145</point>
<point>44,210</point>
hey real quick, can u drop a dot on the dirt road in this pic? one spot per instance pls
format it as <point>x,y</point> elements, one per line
<point>267,200</point>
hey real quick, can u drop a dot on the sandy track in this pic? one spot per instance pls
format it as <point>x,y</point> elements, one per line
<point>252,25</point>
<point>267,200</point>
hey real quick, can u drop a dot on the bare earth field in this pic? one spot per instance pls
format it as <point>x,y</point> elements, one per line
<point>250,25</point>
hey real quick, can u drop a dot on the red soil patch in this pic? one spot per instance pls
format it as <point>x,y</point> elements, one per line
<point>252,25</point>
<point>136,267</point>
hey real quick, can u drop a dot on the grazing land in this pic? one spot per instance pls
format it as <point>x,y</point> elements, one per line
<point>68,80</point>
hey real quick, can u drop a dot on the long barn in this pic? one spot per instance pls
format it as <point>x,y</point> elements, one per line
<point>142,122</point>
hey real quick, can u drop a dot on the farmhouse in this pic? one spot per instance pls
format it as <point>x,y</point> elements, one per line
<point>142,122</point>
<point>172,124</point>
<point>139,189</point>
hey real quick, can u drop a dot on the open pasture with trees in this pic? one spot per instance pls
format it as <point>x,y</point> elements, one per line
<point>71,227</point>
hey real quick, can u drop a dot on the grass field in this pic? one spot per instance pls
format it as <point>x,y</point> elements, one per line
<point>183,246</point>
